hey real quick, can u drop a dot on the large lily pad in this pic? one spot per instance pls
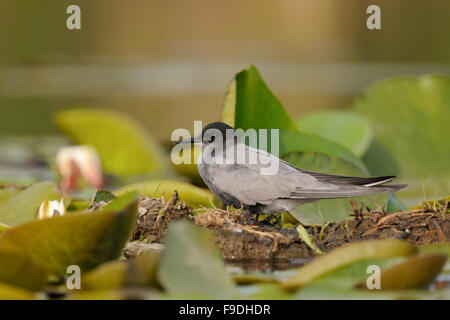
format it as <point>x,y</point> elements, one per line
<point>190,194</point>
<point>348,129</point>
<point>342,256</point>
<point>8,292</point>
<point>410,121</point>
<point>21,271</point>
<point>22,207</point>
<point>191,264</point>
<point>84,239</point>
<point>125,148</point>
<point>7,193</point>
<point>256,106</point>
<point>139,271</point>
<point>416,272</point>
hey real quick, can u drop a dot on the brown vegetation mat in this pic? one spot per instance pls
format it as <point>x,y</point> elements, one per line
<point>265,246</point>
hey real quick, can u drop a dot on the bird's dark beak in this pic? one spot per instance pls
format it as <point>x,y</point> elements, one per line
<point>192,140</point>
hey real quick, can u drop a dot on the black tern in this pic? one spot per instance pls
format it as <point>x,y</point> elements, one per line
<point>243,186</point>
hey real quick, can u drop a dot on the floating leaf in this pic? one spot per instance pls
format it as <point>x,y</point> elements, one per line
<point>443,248</point>
<point>7,193</point>
<point>394,204</point>
<point>124,147</point>
<point>189,166</point>
<point>416,272</point>
<point>342,256</point>
<point>191,264</point>
<point>294,141</point>
<point>23,206</point>
<point>21,271</point>
<point>191,195</point>
<point>229,105</point>
<point>83,239</point>
<point>109,275</point>
<point>303,234</point>
<point>101,197</point>
<point>8,292</point>
<point>3,227</point>
<point>140,271</point>
<point>256,106</point>
<point>348,129</point>
<point>410,121</point>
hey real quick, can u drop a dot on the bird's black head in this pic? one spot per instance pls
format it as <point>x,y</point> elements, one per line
<point>215,130</point>
<point>211,133</point>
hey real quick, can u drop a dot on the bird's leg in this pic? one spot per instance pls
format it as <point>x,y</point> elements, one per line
<point>256,220</point>
<point>246,217</point>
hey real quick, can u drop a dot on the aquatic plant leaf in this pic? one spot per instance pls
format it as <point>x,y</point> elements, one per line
<point>342,256</point>
<point>346,128</point>
<point>229,105</point>
<point>7,193</point>
<point>188,167</point>
<point>139,271</point>
<point>295,141</point>
<point>85,239</point>
<point>188,193</point>
<point>409,117</point>
<point>108,275</point>
<point>125,148</point>
<point>442,247</point>
<point>20,271</point>
<point>3,227</point>
<point>101,196</point>
<point>8,292</point>
<point>191,264</point>
<point>394,204</point>
<point>256,106</point>
<point>416,272</point>
<point>23,206</point>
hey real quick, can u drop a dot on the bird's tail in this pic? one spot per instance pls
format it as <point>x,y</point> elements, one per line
<point>347,186</point>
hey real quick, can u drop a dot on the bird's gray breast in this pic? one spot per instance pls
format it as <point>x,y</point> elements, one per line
<point>207,172</point>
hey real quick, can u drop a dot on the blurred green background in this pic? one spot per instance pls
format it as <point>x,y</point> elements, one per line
<point>168,63</point>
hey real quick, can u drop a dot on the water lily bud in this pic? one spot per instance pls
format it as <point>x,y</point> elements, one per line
<point>52,208</point>
<point>76,161</point>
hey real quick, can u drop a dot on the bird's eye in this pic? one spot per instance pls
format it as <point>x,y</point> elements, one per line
<point>212,138</point>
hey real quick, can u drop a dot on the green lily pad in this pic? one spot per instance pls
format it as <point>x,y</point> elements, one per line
<point>410,121</point>
<point>3,227</point>
<point>85,239</point>
<point>191,264</point>
<point>394,204</point>
<point>21,271</point>
<point>140,271</point>
<point>342,256</point>
<point>125,148</point>
<point>188,193</point>
<point>256,106</point>
<point>348,129</point>
<point>416,272</point>
<point>8,193</point>
<point>23,206</point>
<point>8,292</point>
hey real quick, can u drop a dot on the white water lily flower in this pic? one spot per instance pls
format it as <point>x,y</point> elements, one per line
<point>52,208</point>
<point>76,161</point>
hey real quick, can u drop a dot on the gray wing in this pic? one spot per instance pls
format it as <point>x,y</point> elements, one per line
<point>246,183</point>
